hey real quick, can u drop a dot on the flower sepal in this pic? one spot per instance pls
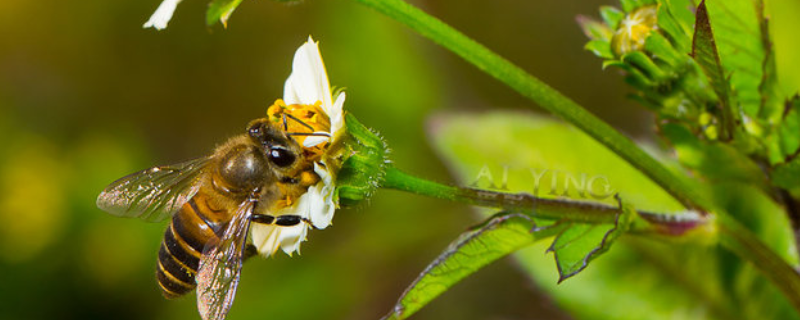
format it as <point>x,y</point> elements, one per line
<point>364,162</point>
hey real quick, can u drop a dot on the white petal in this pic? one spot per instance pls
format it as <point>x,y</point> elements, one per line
<point>163,14</point>
<point>291,237</point>
<point>336,115</point>
<point>308,82</point>
<point>311,141</point>
<point>322,206</point>
<point>268,238</point>
<point>323,174</point>
<point>265,238</point>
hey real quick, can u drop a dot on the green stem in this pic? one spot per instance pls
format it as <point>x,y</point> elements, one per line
<point>732,234</point>
<point>552,209</point>
<point>537,91</point>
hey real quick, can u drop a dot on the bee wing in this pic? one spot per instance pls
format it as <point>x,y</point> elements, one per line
<point>153,194</point>
<point>221,266</point>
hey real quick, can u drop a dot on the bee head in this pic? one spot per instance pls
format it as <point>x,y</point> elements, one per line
<point>281,151</point>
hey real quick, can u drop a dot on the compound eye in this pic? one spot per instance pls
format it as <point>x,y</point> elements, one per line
<point>281,156</point>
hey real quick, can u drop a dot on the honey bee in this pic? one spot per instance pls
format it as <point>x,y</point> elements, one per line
<point>212,202</point>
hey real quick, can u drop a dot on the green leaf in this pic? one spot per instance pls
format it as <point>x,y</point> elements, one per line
<point>789,129</point>
<point>715,160</point>
<point>704,51</point>
<point>500,236</point>
<point>672,20</point>
<point>221,10</point>
<point>787,175</point>
<point>639,278</point>
<point>743,44</point>
<point>660,48</point>
<point>580,243</point>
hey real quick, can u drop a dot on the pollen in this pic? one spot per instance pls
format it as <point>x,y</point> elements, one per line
<point>284,202</point>
<point>302,119</point>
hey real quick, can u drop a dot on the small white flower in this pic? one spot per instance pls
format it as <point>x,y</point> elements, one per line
<point>163,14</point>
<point>308,86</point>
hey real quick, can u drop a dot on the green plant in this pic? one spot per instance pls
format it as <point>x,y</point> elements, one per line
<point>708,73</point>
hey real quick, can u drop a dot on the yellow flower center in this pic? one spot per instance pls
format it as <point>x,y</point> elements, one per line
<point>634,29</point>
<point>300,119</point>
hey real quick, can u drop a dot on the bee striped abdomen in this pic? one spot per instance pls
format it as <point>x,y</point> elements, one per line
<point>194,225</point>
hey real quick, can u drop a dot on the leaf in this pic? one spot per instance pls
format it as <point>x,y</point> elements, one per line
<point>221,10</point>
<point>704,51</point>
<point>497,238</point>
<point>784,142</point>
<point>787,175</point>
<point>580,243</point>
<point>739,29</point>
<point>662,50</point>
<point>714,160</point>
<point>676,22</point>
<point>639,278</point>
<point>789,129</point>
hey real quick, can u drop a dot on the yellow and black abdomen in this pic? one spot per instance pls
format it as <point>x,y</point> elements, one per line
<point>179,256</point>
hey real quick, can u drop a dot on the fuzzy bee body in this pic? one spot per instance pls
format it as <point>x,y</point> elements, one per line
<point>212,202</point>
<point>184,240</point>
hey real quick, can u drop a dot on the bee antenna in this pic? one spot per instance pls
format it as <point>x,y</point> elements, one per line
<point>305,134</point>
<point>295,119</point>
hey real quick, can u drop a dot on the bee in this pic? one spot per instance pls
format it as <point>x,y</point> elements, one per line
<point>212,202</point>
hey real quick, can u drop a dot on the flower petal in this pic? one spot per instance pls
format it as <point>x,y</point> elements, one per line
<point>291,237</point>
<point>308,82</point>
<point>336,115</point>
<point>265,238</point>
<point>311,141</point>
<point>163,14</point>
<point>322,206</point>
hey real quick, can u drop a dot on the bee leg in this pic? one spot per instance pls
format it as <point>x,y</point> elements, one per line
<point>287,220</point>
<point>262,218</point>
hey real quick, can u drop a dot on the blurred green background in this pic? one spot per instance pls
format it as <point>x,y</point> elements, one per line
<point>87,96</point>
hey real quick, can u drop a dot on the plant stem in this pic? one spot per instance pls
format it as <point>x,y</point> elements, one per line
<point>537,91</point>
<point>733,235</point>
<point>552,209</point>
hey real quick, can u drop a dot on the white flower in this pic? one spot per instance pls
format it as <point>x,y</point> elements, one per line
<point>306,86</point>
<point>163,14</point>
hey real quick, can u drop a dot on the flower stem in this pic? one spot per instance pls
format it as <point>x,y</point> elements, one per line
<point>552,209</point>
<point>733,235</point>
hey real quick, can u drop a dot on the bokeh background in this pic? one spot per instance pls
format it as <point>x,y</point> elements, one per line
<point>87,96</point>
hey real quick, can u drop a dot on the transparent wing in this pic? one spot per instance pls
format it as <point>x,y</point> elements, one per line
<point>221,266</point>
<point>153,194</point>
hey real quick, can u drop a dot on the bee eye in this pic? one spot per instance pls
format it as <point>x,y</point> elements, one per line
<point>281,157</point>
